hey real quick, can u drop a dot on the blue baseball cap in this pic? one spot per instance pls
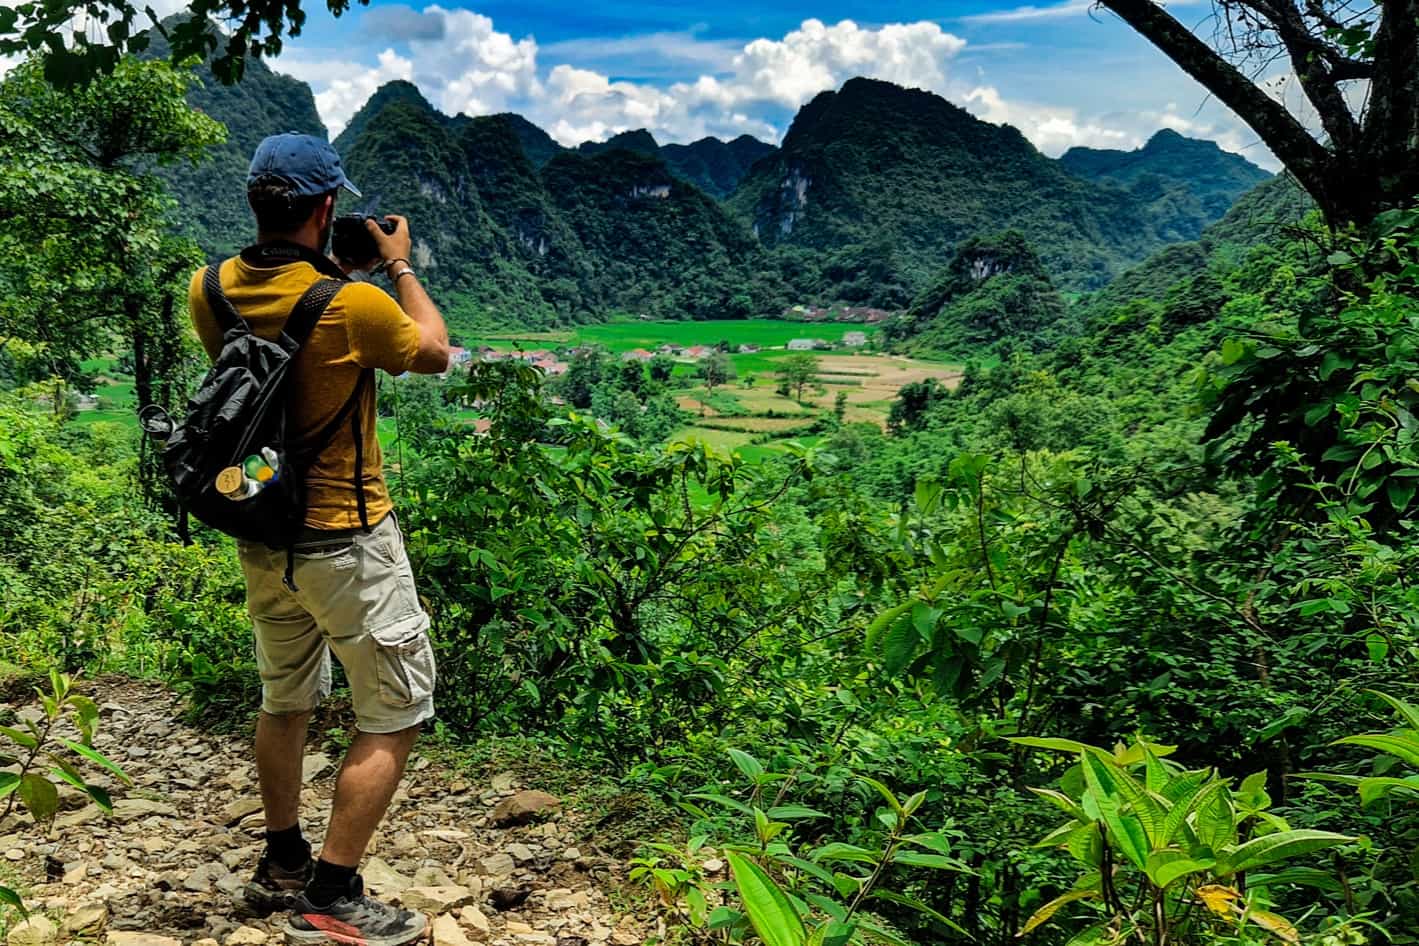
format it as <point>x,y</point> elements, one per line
<point>307,163</point>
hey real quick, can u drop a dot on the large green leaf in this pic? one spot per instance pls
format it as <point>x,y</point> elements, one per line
<point>1408,711</point>
<point>1044,913</point>
<point>1183,807</point>
<point>1050,743</point>
<point>1272,848</point>
<point>768,907</point>
<point>98,758</point>
<point>1400,746</point>
<point>9,781</point>
<point>794,812</point>
<point>40,796</point>
<point>1166,867</point>
<point>11,899</point>
<point>750,766</point>
<point>1127,832</point>
<point>1373,789</point>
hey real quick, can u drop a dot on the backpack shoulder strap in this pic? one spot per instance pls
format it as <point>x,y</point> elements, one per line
<point>309,308</point>
<point>223,311</point>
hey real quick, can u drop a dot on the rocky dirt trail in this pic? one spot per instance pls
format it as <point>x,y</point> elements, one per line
<point>497,864</point>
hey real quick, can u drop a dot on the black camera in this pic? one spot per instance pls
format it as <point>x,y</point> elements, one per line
<point>351,243</point>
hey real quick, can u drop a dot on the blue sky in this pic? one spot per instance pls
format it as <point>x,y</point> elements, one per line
<point>1063,75</point>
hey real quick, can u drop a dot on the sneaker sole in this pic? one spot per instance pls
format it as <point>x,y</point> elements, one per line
<point>307,937</point>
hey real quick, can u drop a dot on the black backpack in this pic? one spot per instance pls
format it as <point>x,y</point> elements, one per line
<point>240,408</point>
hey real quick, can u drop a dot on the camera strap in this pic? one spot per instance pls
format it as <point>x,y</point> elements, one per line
<point>284,252</point>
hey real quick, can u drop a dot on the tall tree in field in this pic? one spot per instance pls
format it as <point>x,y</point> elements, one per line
<point>1363,160</point>
<point>799,371</point>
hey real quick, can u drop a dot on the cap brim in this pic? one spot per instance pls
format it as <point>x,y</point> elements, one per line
<point>345,183</point>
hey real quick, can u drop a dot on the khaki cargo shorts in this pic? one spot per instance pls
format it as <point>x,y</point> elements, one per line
<point>355,596</point>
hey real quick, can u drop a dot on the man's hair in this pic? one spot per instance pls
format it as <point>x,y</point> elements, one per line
<point>276,210</point>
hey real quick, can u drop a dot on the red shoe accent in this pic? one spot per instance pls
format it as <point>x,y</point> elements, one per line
<point>338,930</point>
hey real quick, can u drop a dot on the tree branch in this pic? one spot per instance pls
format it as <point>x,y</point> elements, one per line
<point>1312,164</point>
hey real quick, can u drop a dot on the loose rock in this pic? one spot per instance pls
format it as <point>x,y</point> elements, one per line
<point>384,879</point>
<point>500,864</point>
<point>85,919</point>
<point>315,765</point>
<point>129,938</point>
<point>246,936</point>
<point>524,808</point>
<point>473,918</point>
<point>447,932</point>
<point>38,930</point>
<point>435,899</point>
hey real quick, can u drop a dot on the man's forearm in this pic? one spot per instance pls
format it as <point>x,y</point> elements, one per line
<point>416,302</point>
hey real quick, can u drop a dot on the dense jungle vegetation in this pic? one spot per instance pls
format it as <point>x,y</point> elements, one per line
<point>1115,643</point>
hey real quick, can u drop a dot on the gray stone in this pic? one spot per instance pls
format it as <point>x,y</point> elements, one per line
<point>521,852</point>
<point>384,879</point>
<point>128,809</point>
<point>315,765</point>
<point>201,879</point>
<point>500,864</point>
<point>87,918</point>
<point>239,809</point>
<point>431,877</point>
<point>436,899</point>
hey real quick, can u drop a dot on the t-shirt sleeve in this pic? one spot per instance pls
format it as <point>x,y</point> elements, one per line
<point>381,334</point>
<point>202,321</point>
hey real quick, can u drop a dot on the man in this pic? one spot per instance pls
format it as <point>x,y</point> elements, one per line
<point>352,590</point>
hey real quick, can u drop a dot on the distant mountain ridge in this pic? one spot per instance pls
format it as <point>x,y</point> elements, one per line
<point>872,193</point>
<point>1187,183</point>
<point>873,160</point>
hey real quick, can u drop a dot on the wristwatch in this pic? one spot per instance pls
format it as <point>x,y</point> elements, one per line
<point>406,271</point>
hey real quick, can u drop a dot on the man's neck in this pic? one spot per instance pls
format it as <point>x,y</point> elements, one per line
<point>310,241</point>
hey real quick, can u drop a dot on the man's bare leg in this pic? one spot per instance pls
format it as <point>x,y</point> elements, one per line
<point>280,749</point>
<point>367,782</point>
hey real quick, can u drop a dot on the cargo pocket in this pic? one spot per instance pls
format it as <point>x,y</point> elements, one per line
<point>404,663</point>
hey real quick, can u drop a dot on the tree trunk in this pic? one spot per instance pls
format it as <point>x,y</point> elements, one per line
<point>1350,180</point>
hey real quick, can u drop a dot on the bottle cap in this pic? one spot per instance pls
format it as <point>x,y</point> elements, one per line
<point>231,482</point>
<point>264,474</point>
<point>252,463</point>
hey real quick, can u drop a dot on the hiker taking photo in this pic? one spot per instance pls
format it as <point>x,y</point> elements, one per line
<point>326,571</point>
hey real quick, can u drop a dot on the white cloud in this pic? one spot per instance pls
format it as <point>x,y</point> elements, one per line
<point>463,63</point>
<point>1052,129</point>
<point>1053,12</point>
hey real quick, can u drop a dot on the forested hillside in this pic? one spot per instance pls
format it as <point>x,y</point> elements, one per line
<point>873,190</point>
<point>907,172</point>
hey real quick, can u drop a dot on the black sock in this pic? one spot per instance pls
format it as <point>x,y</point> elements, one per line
<point>330,883</point>
<point>287,847</point>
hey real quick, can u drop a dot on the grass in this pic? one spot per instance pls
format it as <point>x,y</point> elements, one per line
<point>624,336</point>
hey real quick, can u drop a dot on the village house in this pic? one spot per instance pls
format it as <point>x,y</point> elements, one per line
<point>806,344</point>
<point>637,354</point>
<point>854,339</point>
<point>748,349</point>
<point>698,351</point>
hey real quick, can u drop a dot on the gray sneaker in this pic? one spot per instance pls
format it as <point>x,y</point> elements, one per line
<point>354,920</point>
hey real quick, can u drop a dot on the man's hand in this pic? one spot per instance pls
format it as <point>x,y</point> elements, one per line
<point>396,245</point>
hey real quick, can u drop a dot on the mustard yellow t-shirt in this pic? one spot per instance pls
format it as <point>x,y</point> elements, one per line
<point>363,327</point>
